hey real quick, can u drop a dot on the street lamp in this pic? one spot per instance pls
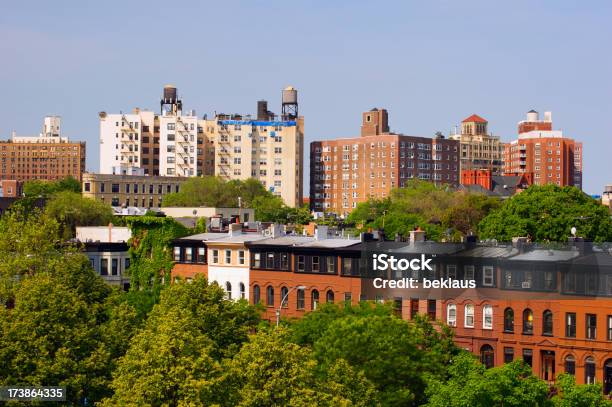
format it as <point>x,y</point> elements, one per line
<point>278,310</point>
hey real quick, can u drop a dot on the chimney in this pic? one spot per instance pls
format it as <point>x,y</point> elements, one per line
<point>417,235</point>
<point>320,232</point>
<point>235,229</point>
<point>276,230</point>
<point>548,117</point>
<point>110,232</point>
<point>520,243</point>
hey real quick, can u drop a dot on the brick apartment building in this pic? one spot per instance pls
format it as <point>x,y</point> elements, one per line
<point>546,154</point>
<point>549,307</point>
<point>478,148</point>
<point>177,143</point>
<point>48,156</point>
<point>345,172</point>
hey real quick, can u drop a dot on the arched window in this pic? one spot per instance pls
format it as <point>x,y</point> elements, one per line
<point>508,320</point>
<point>242,291</point>
<point>547,323</point>
<point>528,321</point>
<point>589,370</point>
<point>487,317</point>
<point>487,356</point>
<point>330,296</point>
<point>451,315</point>
<point>284,297</point>
<point>228,290</point>
<point>468,320</point>
<point>570,364</point>
<point>314,300</point>
<point>256,294</point>
<point>300,302</point>
<point>270,296</point>
<point>607,370</point>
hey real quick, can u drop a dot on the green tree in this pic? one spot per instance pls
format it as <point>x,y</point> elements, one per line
<point>547,213</point>
<point>44,189</point>
<point>470,384</point>
<point>268,371</point>
<point>216,192</point>
<point>442,212</point>
<point>51,337</point>
<point>175,357</point>
<point>71,209</point>
<point>572,395</point>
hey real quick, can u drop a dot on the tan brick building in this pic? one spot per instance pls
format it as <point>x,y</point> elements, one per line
<point>345,172</point>
<point>478,148</point>
<point>130,190</point>
<point>48,156</point>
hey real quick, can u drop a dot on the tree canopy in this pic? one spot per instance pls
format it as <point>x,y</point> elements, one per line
<point>71,209</point>
<point>442,212</point>
<point>548,213</point>
<point>44,189</point>
<point>216,192</point>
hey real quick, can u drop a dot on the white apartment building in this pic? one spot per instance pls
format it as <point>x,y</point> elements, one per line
<point>267,147</point>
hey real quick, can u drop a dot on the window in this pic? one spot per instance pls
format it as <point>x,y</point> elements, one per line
<point>215,256</point>
<point>528,356</point>
<point>242,291</point>
<point>300,299</point>
<point>469,316</point>
<point>469,273</point>
<point>451,271</point>
<point>487,317</point>
<point>330,296</point>
<point>188,254</point>
<point>487,276</point>
<point>284,297</point>
<point>301,263</point>
<point>331,264</point>
<point>570,365</point>
<point>591,326</point>
<point>589,370</point>
<point>570,325</point>
<point>487,356</point>
<point>431,309</point>
<point>609,328</point>
<point>228,290</point>
<point>201,255</point>
<point>240,256</point>
<point>177,253</point>
<point>527,322</point>
<point>451,315</point>
<point>547,323</point>
<point>104,267</point>
<point>314,299</point>
<point>114,266</point>
<point>228,257</point>
<point>315,264</point>
<point>270,296</point>
<point>257,260</point>
<point>508,320</point>
<point>256,294</point>
<point>348,298</point>
<point>508,355</point>
<point>284,261</point>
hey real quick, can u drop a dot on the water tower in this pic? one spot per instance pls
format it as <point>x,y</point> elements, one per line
<point>170,100</point>
<point>289,103</point>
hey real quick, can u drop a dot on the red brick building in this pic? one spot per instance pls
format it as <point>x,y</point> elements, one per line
<point>546,154</point>
<point>345,172</point>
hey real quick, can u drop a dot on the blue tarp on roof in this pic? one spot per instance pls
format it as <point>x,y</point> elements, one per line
<point>288,123</point>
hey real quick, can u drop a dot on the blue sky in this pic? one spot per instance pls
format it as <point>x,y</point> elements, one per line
<point>431,64</point>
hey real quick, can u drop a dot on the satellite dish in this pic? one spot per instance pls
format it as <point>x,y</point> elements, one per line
<point>573,230</point>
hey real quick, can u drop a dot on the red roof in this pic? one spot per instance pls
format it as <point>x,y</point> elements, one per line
<point>474,118</point>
